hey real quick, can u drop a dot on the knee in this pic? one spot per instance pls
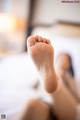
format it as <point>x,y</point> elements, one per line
<point>33,103</point>
<point>28,111</point>
<point>37,105</point>
<point>36,108</point>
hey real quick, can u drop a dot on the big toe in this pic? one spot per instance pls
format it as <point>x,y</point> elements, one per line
<point>32,40</point>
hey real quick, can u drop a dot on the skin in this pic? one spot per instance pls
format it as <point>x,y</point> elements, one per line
<point>63,62</point>
<point>63,65</point>
<point>36,49</point>
<point>64,104</point>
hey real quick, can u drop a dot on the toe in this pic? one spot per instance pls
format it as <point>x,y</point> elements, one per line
<point>36,38</point>
<point>46,41</point>
<point>31,40</point>
<point>40,39</point>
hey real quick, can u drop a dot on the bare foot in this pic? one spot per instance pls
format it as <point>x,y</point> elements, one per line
<point>42,54</point>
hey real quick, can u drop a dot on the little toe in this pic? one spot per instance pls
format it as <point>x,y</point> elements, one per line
<point>48,41</point>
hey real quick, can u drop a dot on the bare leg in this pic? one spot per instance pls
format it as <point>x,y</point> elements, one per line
<point>36,110</point>
<point>64,103</point>
<point>42,53</point>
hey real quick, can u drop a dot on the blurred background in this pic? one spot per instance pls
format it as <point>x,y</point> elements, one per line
<point>14,20</point>
<point>58,21</point>
<point>19,19</point>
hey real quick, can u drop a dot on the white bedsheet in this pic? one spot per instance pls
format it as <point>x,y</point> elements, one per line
<point>17,75</point>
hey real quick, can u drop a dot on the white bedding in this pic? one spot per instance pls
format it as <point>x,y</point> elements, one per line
<point>17,75</point>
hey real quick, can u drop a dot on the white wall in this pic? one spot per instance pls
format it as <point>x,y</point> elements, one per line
<point>48,11</point>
